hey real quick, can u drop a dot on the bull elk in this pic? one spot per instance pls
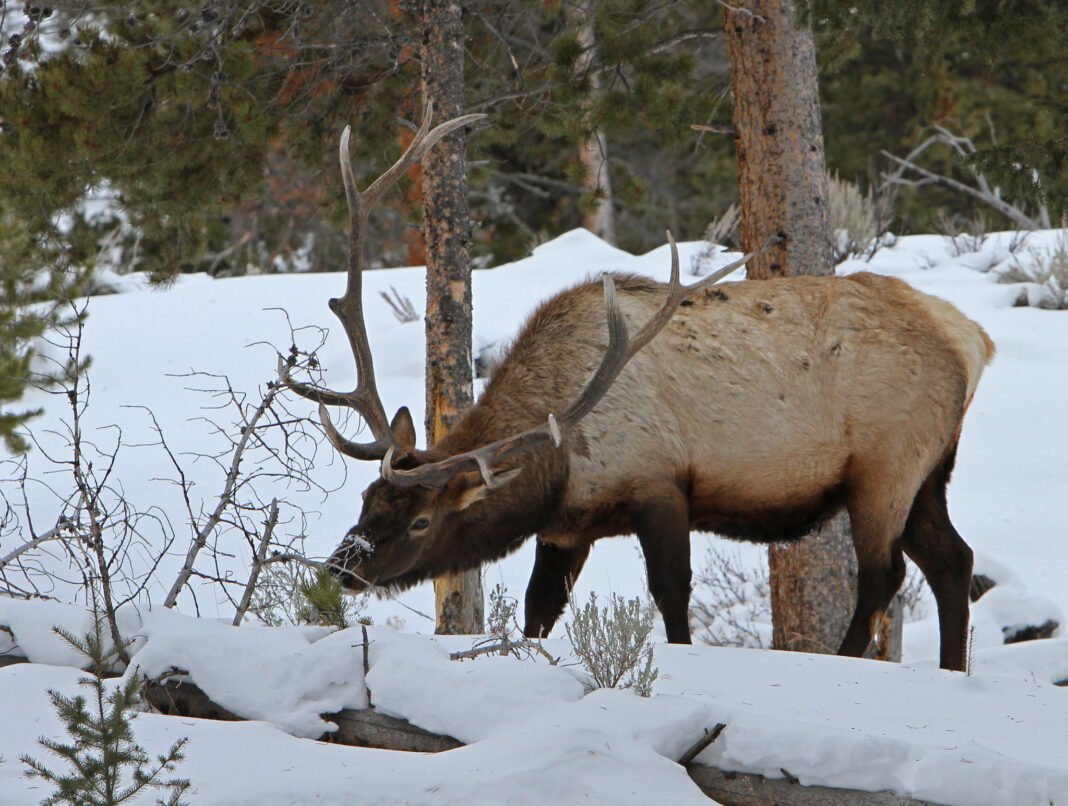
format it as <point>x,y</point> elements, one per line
<point>754,410</point>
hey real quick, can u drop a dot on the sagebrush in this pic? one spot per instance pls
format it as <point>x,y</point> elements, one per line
<point>613,642</point>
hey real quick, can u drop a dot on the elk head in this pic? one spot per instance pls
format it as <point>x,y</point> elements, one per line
<point>417,515</point>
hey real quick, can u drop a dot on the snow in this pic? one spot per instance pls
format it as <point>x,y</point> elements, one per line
<point>505,692</point>
<point>990,738</point>
<point>849,723</point>
<point>285,676</point>
<point>999,735</point>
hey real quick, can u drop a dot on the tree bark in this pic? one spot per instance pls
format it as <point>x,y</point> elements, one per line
<point>446,229</point>
<point>783,190</point>
<point>593,152</point>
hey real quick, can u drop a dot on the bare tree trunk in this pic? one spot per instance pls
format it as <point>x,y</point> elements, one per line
<point>446,228</point>
<point>601,221</point>
<point>593,152</point>
<point>783,189</point>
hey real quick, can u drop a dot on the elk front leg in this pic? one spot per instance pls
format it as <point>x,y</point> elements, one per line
<point>663,527</point>
<point>554,574</point>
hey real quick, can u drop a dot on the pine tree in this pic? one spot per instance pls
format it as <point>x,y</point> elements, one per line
<point>105,765</point>
<point>991,70</point>
<point>31,301</point>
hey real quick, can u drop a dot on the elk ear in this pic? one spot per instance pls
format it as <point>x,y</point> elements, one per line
<point>403,430</point>
<point>479,490</point>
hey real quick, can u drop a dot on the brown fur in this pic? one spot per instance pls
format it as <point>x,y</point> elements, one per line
<point>762,408</point>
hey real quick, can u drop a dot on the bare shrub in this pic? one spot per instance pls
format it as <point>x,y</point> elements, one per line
<point>100,541</point>
<point>725,230</point>
<point>500,621</point>
<point>911,595</point>
<point>613,643</point>
<point>501,627</point>
<point>965,235</point>
<point>731,601</point>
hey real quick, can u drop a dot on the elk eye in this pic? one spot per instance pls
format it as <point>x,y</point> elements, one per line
<point>419,524</point>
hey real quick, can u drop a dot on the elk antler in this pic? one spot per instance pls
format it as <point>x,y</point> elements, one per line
<point>349,308</point>
<point>621,348</point>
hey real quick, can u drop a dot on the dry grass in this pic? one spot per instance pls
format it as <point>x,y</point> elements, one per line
<point>1047,268</point>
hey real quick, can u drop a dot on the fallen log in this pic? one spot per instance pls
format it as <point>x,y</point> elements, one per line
<point>362,728</point>
<point>357,728</point>
<point>742,789</point>
<point>369,728</point>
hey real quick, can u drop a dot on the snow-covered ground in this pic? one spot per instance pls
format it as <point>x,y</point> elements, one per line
<point>998,736</point>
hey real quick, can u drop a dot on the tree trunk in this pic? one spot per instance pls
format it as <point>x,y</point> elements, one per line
<point>446,228</point>
<point>593,152</point>
<point>783,190</point>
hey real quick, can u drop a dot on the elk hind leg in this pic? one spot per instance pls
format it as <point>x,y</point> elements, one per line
<point>876,526</point>
<point>663,527</point>
<point>932,542</point>
<point>554,574</point>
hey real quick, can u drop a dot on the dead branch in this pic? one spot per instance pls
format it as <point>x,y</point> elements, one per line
<point>964,147</point>
<point>740,10</point>
<point>701,127</point>
<point>257,562</point>
<point>684,36</point>
<point>505,646</point>
<point>1010,211</point>
<point>697,747</point>
<point>226,497</point>
<point>56,532</point>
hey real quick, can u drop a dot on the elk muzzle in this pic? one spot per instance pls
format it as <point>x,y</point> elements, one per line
<point>346,563</point>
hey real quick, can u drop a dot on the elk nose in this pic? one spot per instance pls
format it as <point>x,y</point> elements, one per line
<point>356,543</point>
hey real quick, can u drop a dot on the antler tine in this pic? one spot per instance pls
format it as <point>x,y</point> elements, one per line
<point>621,348</point>
<point>355,450</point>
<point>425,139</point>
<point>349,308</point>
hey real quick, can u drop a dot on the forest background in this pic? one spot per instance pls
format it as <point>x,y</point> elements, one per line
<point>169,137</point>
